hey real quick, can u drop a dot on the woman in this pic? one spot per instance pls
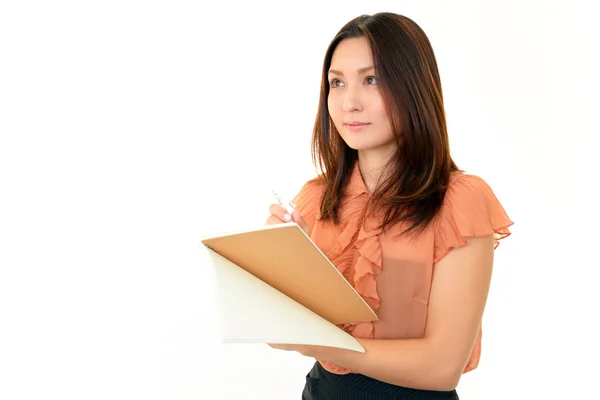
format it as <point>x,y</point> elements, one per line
<point>411,232</point>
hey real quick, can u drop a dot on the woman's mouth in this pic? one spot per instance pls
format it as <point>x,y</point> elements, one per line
<point>356,125</point>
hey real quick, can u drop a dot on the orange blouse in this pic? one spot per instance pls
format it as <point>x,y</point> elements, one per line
<point>394,275</point>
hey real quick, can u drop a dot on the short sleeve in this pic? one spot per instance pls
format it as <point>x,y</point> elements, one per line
<point>470,209</point>
<point>308,200</point>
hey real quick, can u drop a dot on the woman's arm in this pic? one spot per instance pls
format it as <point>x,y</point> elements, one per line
<point>436,362</point>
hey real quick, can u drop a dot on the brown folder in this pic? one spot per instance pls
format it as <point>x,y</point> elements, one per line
<point>285,258</point>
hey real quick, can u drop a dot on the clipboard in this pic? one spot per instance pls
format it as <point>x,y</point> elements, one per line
<point>274,285</point>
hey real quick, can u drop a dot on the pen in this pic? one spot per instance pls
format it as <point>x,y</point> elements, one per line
<point>288,206</point>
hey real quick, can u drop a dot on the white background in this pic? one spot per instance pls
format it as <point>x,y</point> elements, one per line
<point>131,129</point>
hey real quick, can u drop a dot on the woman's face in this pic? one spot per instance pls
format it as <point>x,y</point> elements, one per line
<point>355,102</point>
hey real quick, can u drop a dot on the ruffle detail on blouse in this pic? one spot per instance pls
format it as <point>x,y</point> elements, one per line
<point>470,210</point>
<point>359,265</point>
<point>357,256</point>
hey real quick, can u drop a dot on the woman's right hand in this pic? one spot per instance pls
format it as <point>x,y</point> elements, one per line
<point>279,215</point>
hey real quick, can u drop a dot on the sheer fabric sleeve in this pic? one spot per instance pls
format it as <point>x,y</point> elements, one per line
<point>470,209</point>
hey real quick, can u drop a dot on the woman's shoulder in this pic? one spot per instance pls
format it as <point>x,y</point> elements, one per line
<point>311,190</point>
<point>465,190</point>
<point>470,209</point>
<point>308,199</point>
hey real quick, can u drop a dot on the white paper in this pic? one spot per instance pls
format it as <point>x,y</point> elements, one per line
<point>250,311</point>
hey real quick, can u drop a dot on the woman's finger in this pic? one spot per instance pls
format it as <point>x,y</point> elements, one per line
<point>298,219</point>
<point>273,220</point>
<point>280,212</point>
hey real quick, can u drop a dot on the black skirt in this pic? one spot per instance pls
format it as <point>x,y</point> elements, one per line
<point>323,385</point>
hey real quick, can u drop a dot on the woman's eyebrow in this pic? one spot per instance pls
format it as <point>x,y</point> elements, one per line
<point>360,71</point>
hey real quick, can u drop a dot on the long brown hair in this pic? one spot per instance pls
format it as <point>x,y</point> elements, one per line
<point>418,174</point>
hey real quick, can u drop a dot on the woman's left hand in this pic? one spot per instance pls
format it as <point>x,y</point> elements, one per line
<point>304,349</point>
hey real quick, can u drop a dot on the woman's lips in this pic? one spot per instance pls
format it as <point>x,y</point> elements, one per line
<point>356,125</point>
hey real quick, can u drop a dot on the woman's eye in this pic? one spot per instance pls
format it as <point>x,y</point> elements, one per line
<point>370,80</point>
<point>335,83</point>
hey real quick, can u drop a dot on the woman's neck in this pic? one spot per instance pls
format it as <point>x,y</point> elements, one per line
<point>372,165</point>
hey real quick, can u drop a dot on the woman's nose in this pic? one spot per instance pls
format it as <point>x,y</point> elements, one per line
<point>352,101</point>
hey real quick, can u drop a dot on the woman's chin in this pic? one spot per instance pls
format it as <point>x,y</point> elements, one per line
<point>361,145</point>
<point>358,144</point>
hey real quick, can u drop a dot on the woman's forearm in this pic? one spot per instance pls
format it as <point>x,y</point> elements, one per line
<point>411,363</point>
